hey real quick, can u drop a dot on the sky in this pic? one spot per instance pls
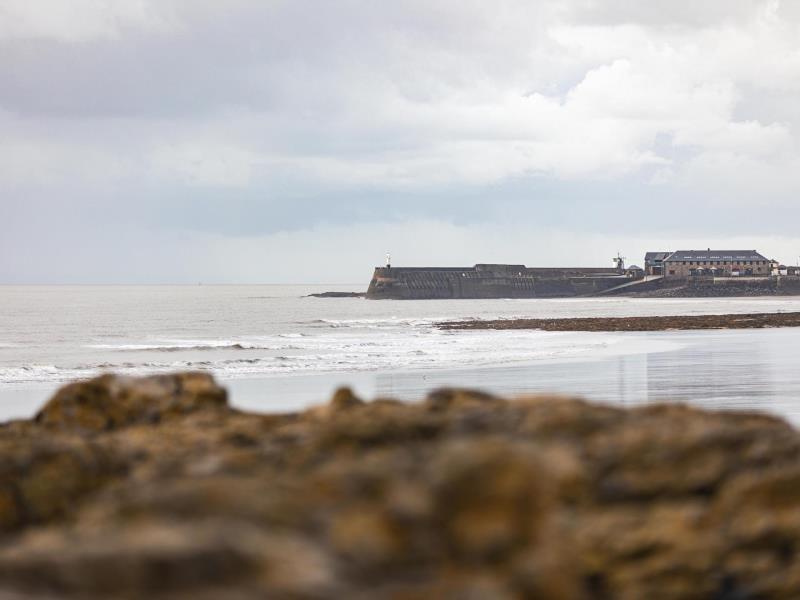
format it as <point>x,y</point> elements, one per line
<point>298,141</point>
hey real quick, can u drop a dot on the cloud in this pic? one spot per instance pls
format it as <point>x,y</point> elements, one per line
<point>346,253</point>
<point>205,164</point>
<point>250,120</point>
<point>685,13</point>
<point>76,20</point>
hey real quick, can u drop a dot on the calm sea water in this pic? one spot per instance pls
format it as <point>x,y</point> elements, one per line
<point>280,350</point>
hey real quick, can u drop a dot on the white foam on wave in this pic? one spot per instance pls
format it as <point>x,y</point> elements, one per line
<point>187,345</point>
<point>350,351</point>
<point>38,373</point>
<point>385,322</point>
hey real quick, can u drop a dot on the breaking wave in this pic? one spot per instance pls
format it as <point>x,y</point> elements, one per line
<point>347,352</point>
<point>190,346</point>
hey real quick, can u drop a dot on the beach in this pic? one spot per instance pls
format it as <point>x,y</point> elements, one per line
<point>279,350</point>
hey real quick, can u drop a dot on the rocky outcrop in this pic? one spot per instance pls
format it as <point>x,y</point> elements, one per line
<point>338,295</point>
<point>112,401</point>
<point>652,323</point>
<point>155,488</point>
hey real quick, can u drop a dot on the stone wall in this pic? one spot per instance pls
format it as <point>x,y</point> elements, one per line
<point>649,286</point>
<point>489,281</point>
<point>783,286</point>
<point>711,287</point>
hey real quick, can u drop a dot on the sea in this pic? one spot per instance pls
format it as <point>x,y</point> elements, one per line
<point>277,349</point>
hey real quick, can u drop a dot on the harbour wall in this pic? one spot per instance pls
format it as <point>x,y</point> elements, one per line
<point>710,287</point>
<point>745,286</point>
<point>490,281</point>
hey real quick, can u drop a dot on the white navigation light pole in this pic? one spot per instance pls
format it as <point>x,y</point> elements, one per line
<point>388,261</point>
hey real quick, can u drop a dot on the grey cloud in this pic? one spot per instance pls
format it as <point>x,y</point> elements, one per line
<point>302,55</point>
<point>246,122</point>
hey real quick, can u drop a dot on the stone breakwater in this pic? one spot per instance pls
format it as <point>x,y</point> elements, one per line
<point>734,321</point>
<point>709,287</point>
<point>490,281</point>
<point>156,488</point>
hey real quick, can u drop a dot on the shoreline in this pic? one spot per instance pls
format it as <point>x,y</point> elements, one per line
<point>660,323</point>
<point>629,367</point>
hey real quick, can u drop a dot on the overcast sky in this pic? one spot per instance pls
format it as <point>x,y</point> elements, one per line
<point>299,141</point>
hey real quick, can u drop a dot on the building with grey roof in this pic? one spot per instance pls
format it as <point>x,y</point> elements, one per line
<point>717,263</point>
<point>654,262</point>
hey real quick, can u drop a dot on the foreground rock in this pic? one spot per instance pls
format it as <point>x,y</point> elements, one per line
<point>155,488</point>
<point>734,321</point>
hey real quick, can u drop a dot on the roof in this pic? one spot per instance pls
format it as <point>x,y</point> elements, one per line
<point>635,268</point>
<point>651,256</point>
<point>732,255</point>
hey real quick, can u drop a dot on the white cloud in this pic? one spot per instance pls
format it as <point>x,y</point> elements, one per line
<point>76,20</point>
<point>347,254</point>
<point>284,103</point>
<point>51,164</point>
<point>205,164</point>
<point>332,254</point>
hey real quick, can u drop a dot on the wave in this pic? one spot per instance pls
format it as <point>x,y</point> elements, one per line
<point>55,373</point>
<point>348,353</point>
<point>414,323</point>
<point>376,323</point>
<point>183,347</point>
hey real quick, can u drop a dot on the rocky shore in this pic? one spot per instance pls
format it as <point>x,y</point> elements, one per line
<point>734,321</point>
<point>156,488</point>
<point>338,295</point>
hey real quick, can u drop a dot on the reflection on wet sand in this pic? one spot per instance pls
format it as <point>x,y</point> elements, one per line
<point>756,369</point>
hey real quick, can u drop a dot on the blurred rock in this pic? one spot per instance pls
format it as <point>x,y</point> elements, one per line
<point>113,401</point>
<point>153,487</point>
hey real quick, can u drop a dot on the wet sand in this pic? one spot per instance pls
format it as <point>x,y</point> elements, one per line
<point>685,322</point>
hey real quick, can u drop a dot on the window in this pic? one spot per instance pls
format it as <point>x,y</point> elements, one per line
<point>672,271</point>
